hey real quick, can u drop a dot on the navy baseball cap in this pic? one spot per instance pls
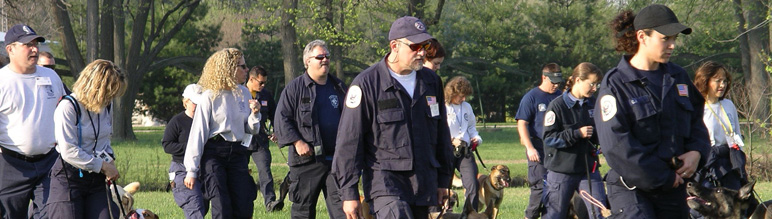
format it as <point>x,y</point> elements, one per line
<point>555,77</point>
<point>409,27</point>
<point>23,34</point>
<point>661,19</point>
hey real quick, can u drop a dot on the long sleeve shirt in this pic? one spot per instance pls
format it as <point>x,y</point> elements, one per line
<point>96,130</point>
<point>227,115</point>
<point>461,122</point>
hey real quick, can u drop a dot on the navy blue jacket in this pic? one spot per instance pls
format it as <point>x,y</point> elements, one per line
<point>564,148</point>
<point>267,109</point>
<point>176,136</point>
<point>397,144</point>
<point>295,117</point>
<point>639,133</point>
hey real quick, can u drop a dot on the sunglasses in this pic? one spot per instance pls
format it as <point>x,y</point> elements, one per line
<point>322,57</point>
<point>417,46</point>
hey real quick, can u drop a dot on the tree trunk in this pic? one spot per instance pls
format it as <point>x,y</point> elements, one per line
<point>416,8</point>
<point>334,42</point>
<point>106,33</point>
<point>119,35</point>
<point>756,12</point>
<point>67,37</point>
<point>288,39</point>
<point>92,30</point>
<point>743,40</point>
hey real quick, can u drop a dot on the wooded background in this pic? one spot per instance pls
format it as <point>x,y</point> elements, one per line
<point>500,45</point>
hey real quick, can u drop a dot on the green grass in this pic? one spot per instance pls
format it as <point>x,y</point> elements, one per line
<point>145,161</point>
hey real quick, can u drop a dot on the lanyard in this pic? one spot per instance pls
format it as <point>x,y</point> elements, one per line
<point>96,129</point>
<point>729,132</point>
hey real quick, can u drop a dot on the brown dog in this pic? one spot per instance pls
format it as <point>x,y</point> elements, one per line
<point>127,202</point>
<point>492,188</point>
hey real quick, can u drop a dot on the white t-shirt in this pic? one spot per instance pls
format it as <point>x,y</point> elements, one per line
<point>407,81</point>
<point>227,115</point>
<point>461,122</point>
<point>716,131</point>
<point>27,104</point>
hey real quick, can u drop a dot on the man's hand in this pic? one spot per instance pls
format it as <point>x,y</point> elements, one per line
<point>110,171</point>
<point>190,182</point>
<point>678,181</point>
<point>272,137</point>
<point>533,154</point>
<point>691,159</point>
<point>302,148</point>
<point>586,131</point>
<point>351,208</point>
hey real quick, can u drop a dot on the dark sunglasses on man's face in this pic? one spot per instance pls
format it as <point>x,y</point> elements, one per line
<point>417,46</point>
<point>322,57</point>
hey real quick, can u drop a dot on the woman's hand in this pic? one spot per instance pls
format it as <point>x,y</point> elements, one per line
<point>190,182</point>
<point>110,171</point>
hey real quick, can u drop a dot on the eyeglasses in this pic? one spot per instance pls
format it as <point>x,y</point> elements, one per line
<point>33,43</point>
<point>259,82</point>
<point>595,85</point>
<point>321,57</point>
<point>417,46</point>
<point>243,66</point>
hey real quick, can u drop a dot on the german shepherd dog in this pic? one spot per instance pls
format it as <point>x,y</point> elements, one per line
<point>719,202</point>
<point>492,188</point>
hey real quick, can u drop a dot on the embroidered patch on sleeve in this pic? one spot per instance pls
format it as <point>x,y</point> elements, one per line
<point>608,107</point>
<point>354,97</point>
<point>549,118</point>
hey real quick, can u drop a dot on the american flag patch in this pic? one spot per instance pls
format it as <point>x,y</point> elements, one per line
<point>683,90</point>
<point>431,100</point>
<point>264,102</point>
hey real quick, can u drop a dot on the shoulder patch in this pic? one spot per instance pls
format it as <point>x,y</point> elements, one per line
<point>608,107</point>
<point>542,107</point>
<point>549,118</point>
<point>354,97</point>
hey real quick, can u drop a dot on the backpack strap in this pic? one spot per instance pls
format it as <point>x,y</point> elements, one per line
<point>75,105</point>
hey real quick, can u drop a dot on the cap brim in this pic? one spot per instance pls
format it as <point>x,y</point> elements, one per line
<point>27,39</point>
<point>554,79</point>
<point>419,37</point>
<point>673,29</point>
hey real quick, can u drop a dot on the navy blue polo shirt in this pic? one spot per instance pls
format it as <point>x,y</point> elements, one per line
<point>532,108</point>
<point>328,108</point>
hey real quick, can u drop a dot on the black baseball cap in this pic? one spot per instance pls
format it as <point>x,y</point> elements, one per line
<point>555,77</point>
<point>409,27</point>
<point>661,19</point>
<point>23,34</point>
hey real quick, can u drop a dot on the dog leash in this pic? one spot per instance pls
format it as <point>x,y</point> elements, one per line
<point>480,158</point>
<point>603,210</point>
<point>118,196</point>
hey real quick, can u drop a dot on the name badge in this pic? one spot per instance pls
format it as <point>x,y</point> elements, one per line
<point>102,155</point>
<point>246,140</point>
<point>435,108</point>
<point>318,150</point>
<point>39,81</point>
<point>171,176</point>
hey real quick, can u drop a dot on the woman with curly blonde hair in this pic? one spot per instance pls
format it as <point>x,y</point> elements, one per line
<point>223,124</point>
<point>83,126</point>
<point>464,136</point>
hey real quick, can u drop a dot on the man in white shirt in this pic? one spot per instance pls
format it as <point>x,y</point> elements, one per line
<point>28,97</point>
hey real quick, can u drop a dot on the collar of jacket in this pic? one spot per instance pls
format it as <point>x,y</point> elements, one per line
<point>631,74</point>
<point>386,81</point>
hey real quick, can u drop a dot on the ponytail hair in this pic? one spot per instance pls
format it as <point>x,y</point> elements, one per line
<point>583,71</point>
<point>624,32</point>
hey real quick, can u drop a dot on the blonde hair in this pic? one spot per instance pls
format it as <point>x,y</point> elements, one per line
<point>457,86</point>
<point>220,72</point>
<point>99,83</point>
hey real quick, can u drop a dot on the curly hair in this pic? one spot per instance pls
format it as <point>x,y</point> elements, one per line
<point>708,70</point>
<point>582,71</point>
<point>435,50</point>
<point>457,86</point>
<point>99,83</point>
<point>220,72</point>
<point>624,32</point>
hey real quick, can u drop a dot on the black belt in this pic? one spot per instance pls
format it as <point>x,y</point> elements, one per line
<point>17,155</point>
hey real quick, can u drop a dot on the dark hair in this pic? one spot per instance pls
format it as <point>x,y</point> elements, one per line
<point>257,70</point>
<point>624,32</point>
<point>46,54</point>
<point>435,50</point>
<point>582,71</point>
<point>708,70</point>
<point>457,86</point>
<point>551,67</point>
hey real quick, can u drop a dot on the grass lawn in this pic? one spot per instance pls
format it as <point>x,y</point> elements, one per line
<point>146,162</point>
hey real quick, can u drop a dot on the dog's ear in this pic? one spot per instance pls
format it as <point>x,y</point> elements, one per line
<point>747,190</point>
<point>131,188</point>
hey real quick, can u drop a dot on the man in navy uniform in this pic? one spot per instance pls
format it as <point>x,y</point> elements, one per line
<point>530,120</point>
<point>394,133</point>
<point>307,121</point>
